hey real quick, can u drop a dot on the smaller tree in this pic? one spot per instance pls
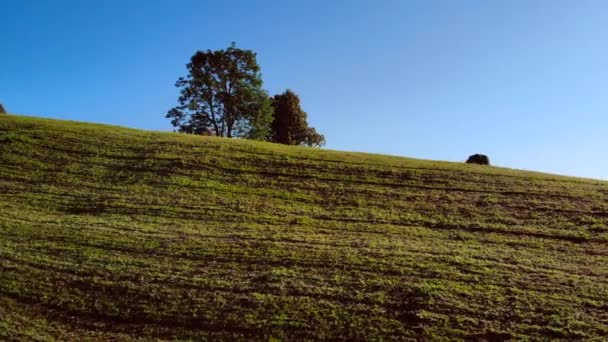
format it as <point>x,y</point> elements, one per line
<point>260,118</point>
<point>2,110</point>
<point>480,159</point>
<point>290,126</point>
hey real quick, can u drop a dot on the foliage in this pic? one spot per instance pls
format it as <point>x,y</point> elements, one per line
<point>479,159</point>
<point>222,94</point>
<point>260,124</point>
<point>117,234</point>
<point>290,126</point>
<point>2,110</point>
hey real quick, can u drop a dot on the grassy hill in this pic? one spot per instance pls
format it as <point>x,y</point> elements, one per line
<point>114,233</point>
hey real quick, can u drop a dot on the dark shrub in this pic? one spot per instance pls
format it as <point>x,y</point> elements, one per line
<point>478,159</point>
<point>2,110</point>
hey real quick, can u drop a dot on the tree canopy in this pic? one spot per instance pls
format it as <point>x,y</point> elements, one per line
<point>222,95</point>
<point>290,125</point>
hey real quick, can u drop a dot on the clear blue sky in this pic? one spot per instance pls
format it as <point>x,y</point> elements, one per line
<point>523,81</point>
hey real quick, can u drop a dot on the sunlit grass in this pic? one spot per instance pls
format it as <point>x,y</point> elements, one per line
<point>113,233</point>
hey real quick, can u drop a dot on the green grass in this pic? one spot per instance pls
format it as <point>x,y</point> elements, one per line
<point>109,233</point>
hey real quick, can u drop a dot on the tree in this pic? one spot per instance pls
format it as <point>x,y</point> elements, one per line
<point>260,125</point>
<point>480,159</point>
<point>290,124</point>
<point>2,110</point>
<point>223,94</point>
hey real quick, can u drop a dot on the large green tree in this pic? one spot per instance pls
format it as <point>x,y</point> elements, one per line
<point>290,125</point>
<point>222,95</point>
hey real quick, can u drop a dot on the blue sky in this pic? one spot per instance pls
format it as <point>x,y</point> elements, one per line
<point>523,81</point>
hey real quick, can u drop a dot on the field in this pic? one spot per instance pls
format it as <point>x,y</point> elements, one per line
<point>108,233</point>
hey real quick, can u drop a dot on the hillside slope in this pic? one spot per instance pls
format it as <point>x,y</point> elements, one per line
<point>113,233</point>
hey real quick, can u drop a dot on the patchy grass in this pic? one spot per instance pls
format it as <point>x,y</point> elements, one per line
<point>112,233</point>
